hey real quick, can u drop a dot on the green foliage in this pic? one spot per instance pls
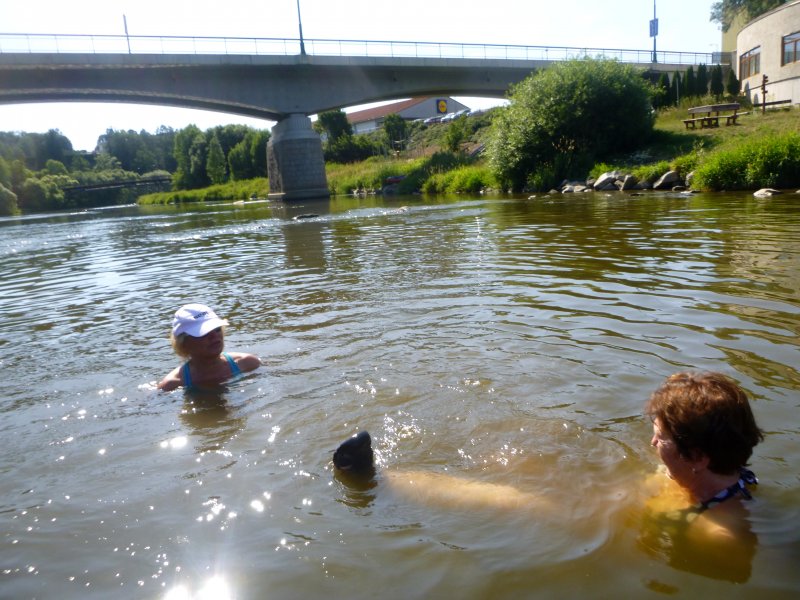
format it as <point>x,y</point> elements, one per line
<point>8,202</point>
<point>661,92</point>
<point>651,172</point>
<point>139,152</point>
<point>215,163</point>
<point>396,130</point>
<point>334,125</point>
<point>725,11</point>
<point>690,83</point>
<point>560,118</point>
<point>232,190</point>
<point>5,172</point>
<point>456,134</point>
<point>35,149</point>
<point>468,178</point>
<point>190,156</point>
<point>54,167</point>
<point>717,87</point>
<point>701,83</point>
<point>753,164</point>
<point>348,149</point>
<point>733,86</point>
<point>44,193</point>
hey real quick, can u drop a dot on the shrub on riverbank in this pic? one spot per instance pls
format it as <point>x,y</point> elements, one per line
<point>371,175</point>
<point>752,164</point>
<point>562,118</point>
<point>468,178</point>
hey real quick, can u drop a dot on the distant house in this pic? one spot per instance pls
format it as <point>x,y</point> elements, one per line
<point>370,119</point>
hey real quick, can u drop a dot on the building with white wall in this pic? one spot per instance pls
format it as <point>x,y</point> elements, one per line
<point>769,46</point>
<point>370,119</point>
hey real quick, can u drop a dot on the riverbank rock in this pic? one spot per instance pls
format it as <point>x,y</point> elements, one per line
<point>668,181</point>
<point>766,193</point>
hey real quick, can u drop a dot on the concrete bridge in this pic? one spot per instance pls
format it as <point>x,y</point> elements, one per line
<point>270,79</point>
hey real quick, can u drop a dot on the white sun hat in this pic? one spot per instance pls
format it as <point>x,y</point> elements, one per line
<point>195,320</point>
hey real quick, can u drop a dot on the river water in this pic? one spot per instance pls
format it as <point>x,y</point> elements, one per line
<point>494,344</point>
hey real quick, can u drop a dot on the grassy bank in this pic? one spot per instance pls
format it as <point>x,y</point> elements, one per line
<point>233,190</point>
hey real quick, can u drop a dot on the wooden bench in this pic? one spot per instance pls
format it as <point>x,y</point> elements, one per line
<point>709,115</point>
<point>731,119</point>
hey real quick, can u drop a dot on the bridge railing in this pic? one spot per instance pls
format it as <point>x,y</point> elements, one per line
<point>144,44</point>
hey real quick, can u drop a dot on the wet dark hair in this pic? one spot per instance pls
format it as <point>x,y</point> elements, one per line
<point>707,413</point>
<point>355,455</point>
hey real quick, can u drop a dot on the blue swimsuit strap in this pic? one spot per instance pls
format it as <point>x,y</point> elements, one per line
<point>746,476</point>
<point>235,370</point>
<point>187,376</point>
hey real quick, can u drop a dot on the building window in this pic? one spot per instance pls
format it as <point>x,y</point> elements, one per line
<point>750,63</point>
<point>791,48</point>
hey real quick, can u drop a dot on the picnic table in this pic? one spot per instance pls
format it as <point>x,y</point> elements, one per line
<point>709,115</point>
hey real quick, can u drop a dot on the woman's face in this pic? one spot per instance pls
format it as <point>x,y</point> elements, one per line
<point>679,468</point>
<point>208,346</point>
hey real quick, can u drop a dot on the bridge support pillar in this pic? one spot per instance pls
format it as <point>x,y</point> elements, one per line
<point>295,165</point>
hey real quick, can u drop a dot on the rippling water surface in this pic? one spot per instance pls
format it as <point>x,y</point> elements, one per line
<point>509,344</point>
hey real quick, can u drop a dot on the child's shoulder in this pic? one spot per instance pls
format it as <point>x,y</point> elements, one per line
<point>245,361</point>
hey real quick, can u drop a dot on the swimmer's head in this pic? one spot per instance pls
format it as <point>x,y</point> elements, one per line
<point>355,455</point>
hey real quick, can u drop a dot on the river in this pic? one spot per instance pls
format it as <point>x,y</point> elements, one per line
<point>504,342</point>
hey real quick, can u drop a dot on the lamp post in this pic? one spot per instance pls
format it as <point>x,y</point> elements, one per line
<point>300,25</point>
<point>654,31</point>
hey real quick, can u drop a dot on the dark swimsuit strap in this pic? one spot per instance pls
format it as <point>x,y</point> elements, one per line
<point>746,476</point>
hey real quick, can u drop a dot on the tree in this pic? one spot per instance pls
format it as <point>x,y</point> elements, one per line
<point>215,163</point>
<point>725,11</point>
<point>676,90</point>
<point>561,118</point>
<point>701,83</point>
<point>333,124</point>
<point>690,83</point>
<point>717,88</point>
<point>457,133</point>
<point>190,156</point>
<point>661,93</point>
<point>732,86</point>
<point>248,158</point>
<point>396,130</point>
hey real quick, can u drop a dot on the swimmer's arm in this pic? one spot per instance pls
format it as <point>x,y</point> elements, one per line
<point>246,362</point>
<point>172,381</point>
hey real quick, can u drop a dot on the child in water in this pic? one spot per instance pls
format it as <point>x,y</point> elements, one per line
<point>198,336</point>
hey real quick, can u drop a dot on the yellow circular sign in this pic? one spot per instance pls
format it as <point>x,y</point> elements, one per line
<point>442,106</point>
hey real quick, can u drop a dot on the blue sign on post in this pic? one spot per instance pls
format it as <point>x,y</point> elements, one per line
<point>653,27</point>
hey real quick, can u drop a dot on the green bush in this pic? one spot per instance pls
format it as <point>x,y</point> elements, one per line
<point>562,117</point>
<point>460,180</point>
<point>773,162</point>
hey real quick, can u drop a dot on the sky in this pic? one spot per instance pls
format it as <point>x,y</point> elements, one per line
<point>622,24</point>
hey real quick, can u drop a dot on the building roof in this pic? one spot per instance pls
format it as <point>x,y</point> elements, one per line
<point>370,114</point>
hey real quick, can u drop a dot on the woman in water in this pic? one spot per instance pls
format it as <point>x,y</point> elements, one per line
<point>198,336</point>
<point>694,514</point>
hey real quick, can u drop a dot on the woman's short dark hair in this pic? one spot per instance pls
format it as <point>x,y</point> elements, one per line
<point>707,414</point>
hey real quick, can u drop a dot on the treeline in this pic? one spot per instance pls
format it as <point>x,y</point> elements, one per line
<point>41,172</point>
<point>689,84</point>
